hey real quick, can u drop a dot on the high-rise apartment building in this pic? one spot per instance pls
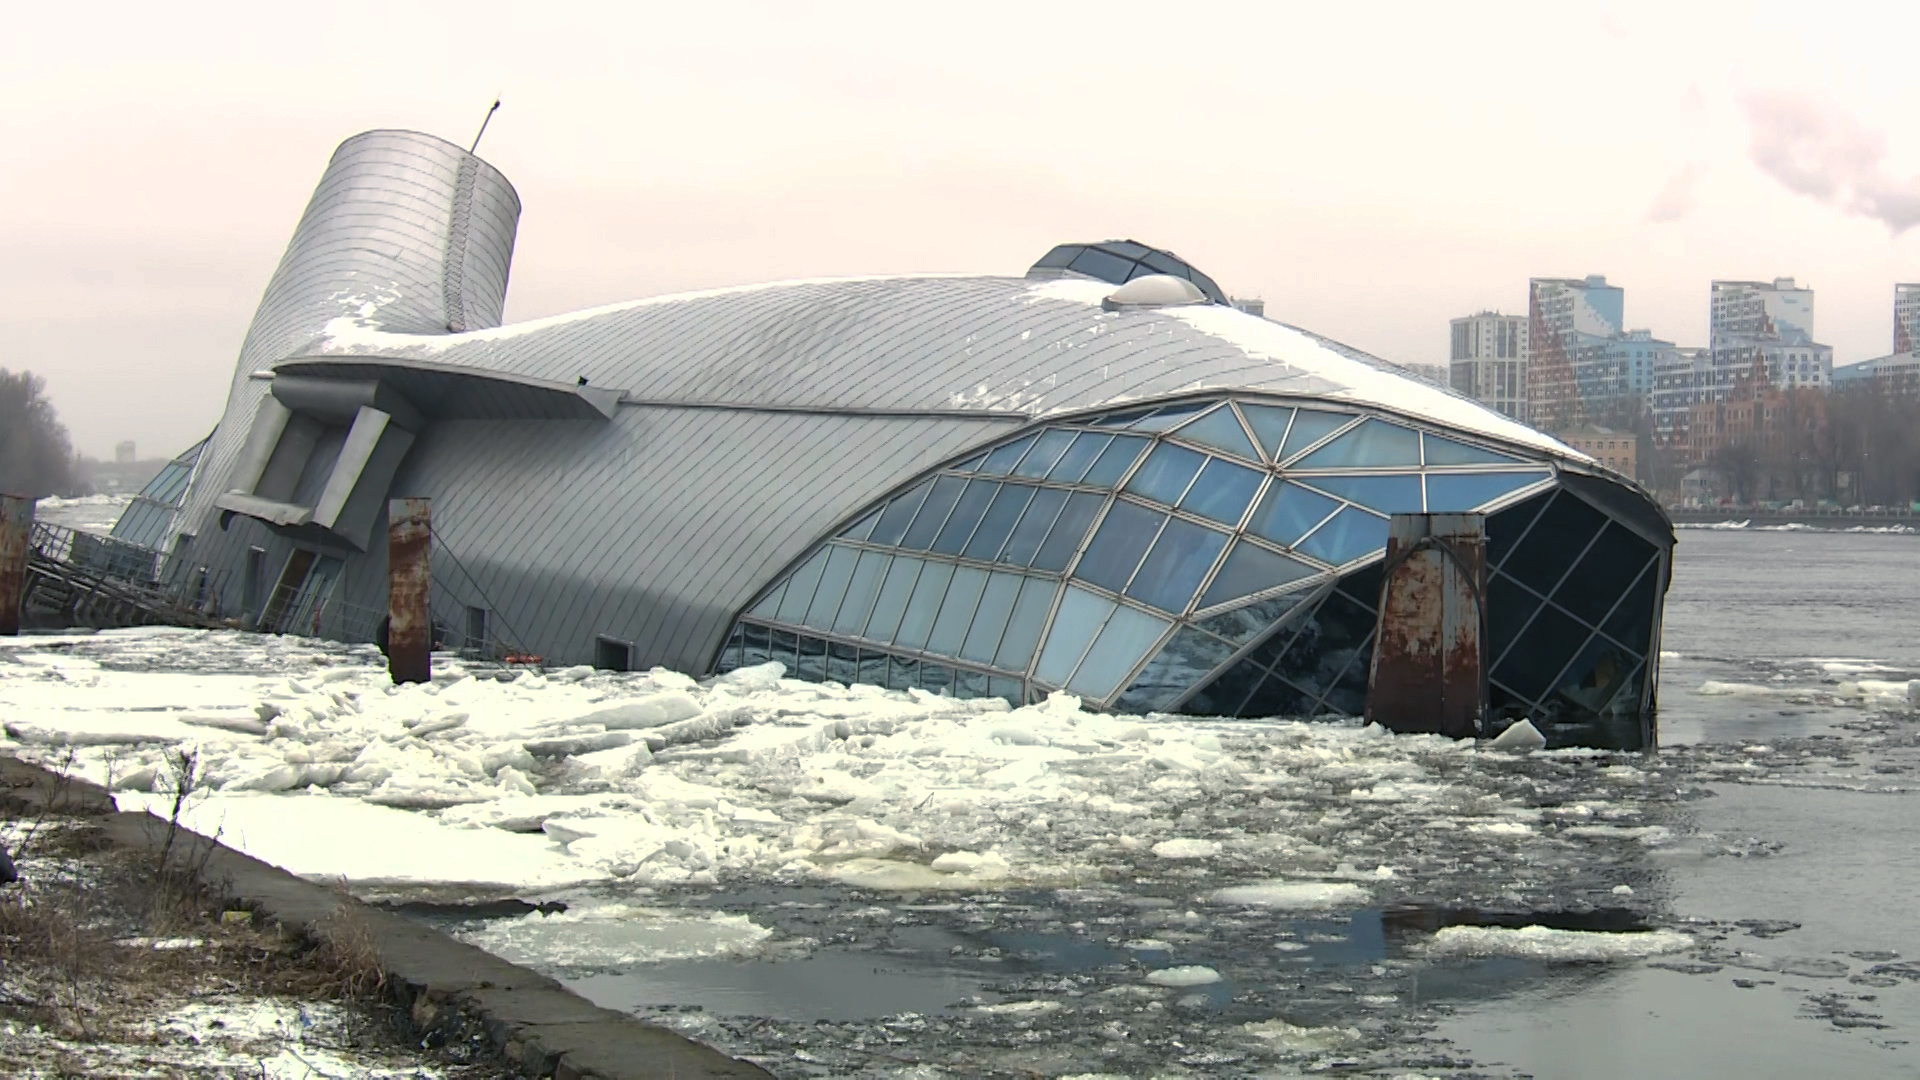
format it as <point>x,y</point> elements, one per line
<point>1571,324</point>
<point>1756,322</point>
<point>1682,379</point>
<point>1906,318</point>
<point>1489,361</point>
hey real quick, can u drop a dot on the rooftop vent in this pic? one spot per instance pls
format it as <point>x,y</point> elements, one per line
<point>1154,290</point>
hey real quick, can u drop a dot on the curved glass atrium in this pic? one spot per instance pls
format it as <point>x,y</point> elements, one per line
<point>1216,557</point>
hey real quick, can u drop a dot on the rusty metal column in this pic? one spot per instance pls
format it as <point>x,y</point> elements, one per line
<point>409,587</point>
<point>16,541</point>
<point>1429,667</point>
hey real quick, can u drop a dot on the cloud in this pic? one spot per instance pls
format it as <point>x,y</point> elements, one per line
<point>1818,151</point>
<point>1675,200</point>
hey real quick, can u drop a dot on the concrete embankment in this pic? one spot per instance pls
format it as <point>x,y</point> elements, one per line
<point>449,990</point>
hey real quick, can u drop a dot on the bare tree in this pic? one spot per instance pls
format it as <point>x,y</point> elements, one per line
<point>36,457</point>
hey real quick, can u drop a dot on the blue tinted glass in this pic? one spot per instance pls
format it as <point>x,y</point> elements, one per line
<point>1115,460</point>
<point>1007,689</point>
<point>782,648</point>
<point>998,523</point>
<point>1098,264</point>
<point>1045,453</point>
<point>898,515</point>
<point>1002,461</point>
<point>894,591</point>
<point>969,684</point>
<point>1352,533</point>
<point>811,664</point>
<point>1448,452</point>
<point>990,621</point>
<point>759,648</point>
<point>1309,427</point>
<point>833,586</point>
<point>1222,491</point>
<point>1177,565</point>
<point>1373,444</point>
<point>1074,463</point>
<point>933,513</point>
<point>1387,494</point>
<point>1448,492</point>
<point>956,611</point>
<point>923,605</point>
<point>966,514</point>
<point>1185,660</point>
<point>1116,549</point>
<point>860,530</point>
<point>902,673</point>
<point>800,588</point>
<point>1027,536</point>
<point>1122,419</point>
<point>1288,512</point>
<point>1068,531</point>
<point>1167,472</point>
<point>1251,569</point>
<point>843,663</point>
<point>1269,423</point>
<point>1080,617</point>
<point>1221,430</point>
<point>1123,643</point>
<point>936,678</point>
<point>1243,624</point>
<point>873,668</point>
<point>770,604</point>
<point>1059,257</point>
<point>1128,248</point>
<point>1023,630</point>
<point>861,590</point>
<point>972,464</point>
<point>1170,416</point>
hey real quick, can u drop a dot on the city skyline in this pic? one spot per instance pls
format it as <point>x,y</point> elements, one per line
<point>688,149</point>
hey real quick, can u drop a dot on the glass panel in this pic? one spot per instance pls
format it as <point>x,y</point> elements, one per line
<point>1289,512</point>
<point>1350,534</point>
<point>759,645</point>
<point>956,611</point>
<point>1116,549</point>
<point>730,652</point>
<point>833,586</point>
<point>1441,451</point>
<point>1115,460</point>
<point>1170,416</point>
<point>1243,624</point>
<point>1008,689</point>
<point>902,673</point>
<point>1505,528</point>
<point>1387,494</point>
<point>1027,537</point>
<point>861,590</point>
<point>1608,570</point>
<point>1023,630</point>
<point>1045,453</point>
<point>859,531</point>
<point>1177,565</point>
<point>1059,257</point>
<point>1509,607</point>
<point>1309,427</point>
<point>998,523</point>
<point>1098,264</point>
<point>1632,622</point>
<point>933,513</point>
<point>771,604</point>
<point>782,649</point>
<point>1221,430</point>
<point>1069,531</point>
<point>1269,423</point>
<point>1456,492</point>
<point>898,515</point>
<point>1251,569</point>
<point>1278,697</point>
<point>812,662</point>
<point>893,598</point>
<point>936,678</point>
<point>990,621</point>
<point>1374,443</point>
<point>1539,652</point>
<point>1187,658</point>
<point>793,606</point>
<point>1166,474</point>
<point>1002,460</point>
<point>1556,540</point>
<point>1328,641</point>
<point>873,668</point>
<point>1222,491</point>
<point>1074,463</point>
<point>1122,419</point>
<point>1596,675</point>
<point>917,623</point>
<point>1225,694</point>
<point>1081,616</point>
<point>1124,642</point>
<point>972,464</point>
<point>966,514</point>
<point>969,684</point>
<point>1364,583</point>
<point>1348,695</point>
<point>843,663</point>
<point>1128,248</point>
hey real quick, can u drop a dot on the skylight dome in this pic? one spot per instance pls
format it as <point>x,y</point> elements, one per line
<point>1154,290</point>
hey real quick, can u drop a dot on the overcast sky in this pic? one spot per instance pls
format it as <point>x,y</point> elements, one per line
<point>1370,170</point>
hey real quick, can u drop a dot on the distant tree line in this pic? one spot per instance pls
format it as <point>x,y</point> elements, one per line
<point>36,456</point>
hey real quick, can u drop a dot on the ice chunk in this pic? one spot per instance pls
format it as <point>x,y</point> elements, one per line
<point>1190,975</point>
<point>512,781</point>
<point>647,712</point>
<point>1293,895</point>
<point>758,677</point>
<point>567,745</point>
<point>1521,738</point>
<point>1546,943</point>
<point>1187,849</point>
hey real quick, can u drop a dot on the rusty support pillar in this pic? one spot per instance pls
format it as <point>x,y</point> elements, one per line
<point>16,541</point>
<point>1429,659</point>
<point>409,587</point>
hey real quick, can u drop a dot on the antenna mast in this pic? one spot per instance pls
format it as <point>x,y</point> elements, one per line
<point>483,125</point>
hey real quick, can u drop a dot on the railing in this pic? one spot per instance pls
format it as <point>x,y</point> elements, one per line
<point>166,586</point>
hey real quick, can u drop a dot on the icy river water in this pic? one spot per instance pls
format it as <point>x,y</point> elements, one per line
<point>842,882</point>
